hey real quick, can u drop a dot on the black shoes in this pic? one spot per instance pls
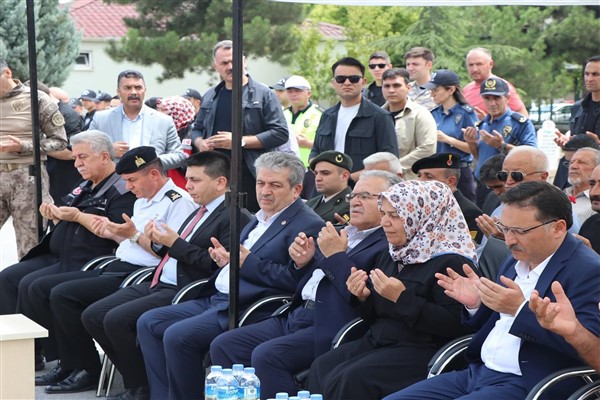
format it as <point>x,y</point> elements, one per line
<point>139,393</point>
<point>78,381</point>
<point>56,375</point>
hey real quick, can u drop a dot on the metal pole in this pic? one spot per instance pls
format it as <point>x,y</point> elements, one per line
<point>236,162</point>
<point>36,168</point>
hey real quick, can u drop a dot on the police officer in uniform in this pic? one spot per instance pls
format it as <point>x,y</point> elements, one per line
<point>332,171</point>
<point>446,168</point>
<point>17,187</point>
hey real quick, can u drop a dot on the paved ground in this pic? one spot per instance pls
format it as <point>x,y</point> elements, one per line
<point>8,247</point>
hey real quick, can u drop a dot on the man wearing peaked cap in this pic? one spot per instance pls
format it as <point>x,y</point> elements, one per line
<point>332,171</point>
<point>279,89</point>
<point>89,102</point>
<point>194,97</point>
<point>445,168</point>
<point>103,101</point>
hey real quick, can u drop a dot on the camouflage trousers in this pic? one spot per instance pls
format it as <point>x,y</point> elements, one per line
<point>18,199</point>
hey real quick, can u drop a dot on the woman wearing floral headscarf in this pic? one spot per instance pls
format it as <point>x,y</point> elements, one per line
<point>409,315</point>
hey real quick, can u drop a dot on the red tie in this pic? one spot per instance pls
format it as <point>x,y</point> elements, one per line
<point>188,229</point>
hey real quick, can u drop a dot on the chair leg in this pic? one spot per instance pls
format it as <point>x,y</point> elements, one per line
<point>111,376</point>
<point>102,378</point>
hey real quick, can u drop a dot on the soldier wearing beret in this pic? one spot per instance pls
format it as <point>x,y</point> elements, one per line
<point>502,129</point>
<point>332,171</point>
<point>445,168</point>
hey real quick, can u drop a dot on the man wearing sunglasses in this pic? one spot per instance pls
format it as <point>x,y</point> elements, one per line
<point>419,62</point>
<point>379,62</point>
<point>355,126</point>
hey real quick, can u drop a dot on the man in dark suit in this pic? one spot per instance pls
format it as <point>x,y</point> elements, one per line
<point>175,339</point>
<point>332,171</point>
<point>184,259</point>
<point>281,346</point>
<point>445,168</point>
<point>511,352</point>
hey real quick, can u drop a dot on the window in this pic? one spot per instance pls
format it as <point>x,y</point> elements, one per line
<point>84,61</point>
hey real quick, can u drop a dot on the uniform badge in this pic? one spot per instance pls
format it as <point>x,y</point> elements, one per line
<point>174,196</point>
<point>76,191</point>
<point>346,217</point>
<point>139,161</point>
<point>490,84</point>
<point>306,123</point>
<point>339,158</point>
<point>458,118</point>
<point>473,234</point>
<point>18,105</point>
<point>507,130</point>
<point>522,119</point>
<point>58,119</point>
<point>449,162</point>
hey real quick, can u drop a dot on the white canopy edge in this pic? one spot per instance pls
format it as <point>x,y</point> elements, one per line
<point>420,3</point>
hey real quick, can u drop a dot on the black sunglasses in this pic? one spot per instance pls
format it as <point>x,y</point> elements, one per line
<point>373,66</point>
<point>516,176</point>
<point>351,78</point>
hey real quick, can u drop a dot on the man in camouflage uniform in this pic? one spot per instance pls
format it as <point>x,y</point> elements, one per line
<point>17,187</point>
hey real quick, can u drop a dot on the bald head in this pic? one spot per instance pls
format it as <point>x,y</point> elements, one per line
<point>531,162</point>
<point>59,94</point>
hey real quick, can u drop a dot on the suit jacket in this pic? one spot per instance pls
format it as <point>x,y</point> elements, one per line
<point>338,204</point>
<point>542,352</point>
<point>333,308</point>
<point>193,260</point>
<point>268,269</point>
<point>158,131</point>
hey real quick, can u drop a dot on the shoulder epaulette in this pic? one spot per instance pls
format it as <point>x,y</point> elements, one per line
<point>466,107</point>
<point>520,118</point>
<point>173,195</point>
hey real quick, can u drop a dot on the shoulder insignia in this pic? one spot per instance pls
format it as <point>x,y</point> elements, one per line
<point>473,234</point>
<point>173,195</point>
<point>466,107</point>
<point>346,217</point>
<point>506,130</point>
<point>458,118</point>
<point>58,119</point>
<point>518,117</point>
<point>18,105</point>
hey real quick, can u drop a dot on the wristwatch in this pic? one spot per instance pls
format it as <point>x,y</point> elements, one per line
<point>135,237</point>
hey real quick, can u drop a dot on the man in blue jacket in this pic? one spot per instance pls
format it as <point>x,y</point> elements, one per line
<point>354,126</point>
<point>264,126</point>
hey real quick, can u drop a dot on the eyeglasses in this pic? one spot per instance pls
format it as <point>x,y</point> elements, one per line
<point>519,231</point>
<point>380,66</point>
<point>361,195</point>
<point>351,78</point>
<point>517,176</point>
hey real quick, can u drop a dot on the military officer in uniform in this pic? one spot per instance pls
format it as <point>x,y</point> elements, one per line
<point>17,186</point>
<point>332,171</point>
<point>502,129</point>
<point>446,168</point>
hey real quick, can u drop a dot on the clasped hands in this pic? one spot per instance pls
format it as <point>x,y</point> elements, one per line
<point>105,228</point>
<point>330,242</point>
<point>388,287</point>
<point>472,290</point>
<point>55,213</point>
<point>221,256</point>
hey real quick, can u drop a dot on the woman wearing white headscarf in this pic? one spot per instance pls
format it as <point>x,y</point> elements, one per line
<point>410,317</point>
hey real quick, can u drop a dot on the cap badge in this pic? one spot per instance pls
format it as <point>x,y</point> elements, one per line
<point>490,84</point>
<point>339,158</point>
<point>139,161</point>
<point>449,162</point>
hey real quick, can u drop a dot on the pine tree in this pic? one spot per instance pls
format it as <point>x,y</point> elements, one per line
<point>57,41</point>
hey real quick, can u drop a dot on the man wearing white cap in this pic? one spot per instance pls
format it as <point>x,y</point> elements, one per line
<point>302,115</point>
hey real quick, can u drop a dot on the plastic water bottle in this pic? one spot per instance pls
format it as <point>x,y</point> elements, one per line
<point>249,385</point>
<point>304,394</point>
<point>316,397</point>
<point>210,384</point>
<point>238,371</point>
<point>281,396</point>
<point>294,398</point>
<point>227,385</point>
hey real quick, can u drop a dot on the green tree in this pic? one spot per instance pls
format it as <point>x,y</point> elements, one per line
<point>180,34</point>
<point>56,39</point>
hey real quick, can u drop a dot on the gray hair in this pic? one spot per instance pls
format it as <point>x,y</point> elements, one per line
<point>389,179</point>
<point>482,50</point>
<point>539,160</point>
<point>383,156</point>
<point>596,153</point>
<point>223,44</point>
<point>277,161</point>
<point>99,141</point>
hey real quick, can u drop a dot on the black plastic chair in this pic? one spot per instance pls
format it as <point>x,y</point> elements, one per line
<point>586,375</point>
<point>265,308</point>
<point>449,357</point>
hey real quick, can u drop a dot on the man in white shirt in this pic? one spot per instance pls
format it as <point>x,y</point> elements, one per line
<point>511,352</point>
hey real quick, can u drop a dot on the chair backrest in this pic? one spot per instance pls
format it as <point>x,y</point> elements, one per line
<point>588,392</point>
<point>98,262</point>
<point>264,308</point>
<point>449,357</point>
<point>492,256</point>
<point>584,374</point>
<point>137,277</point>
<point>188,291</point>
<point>353,330</point>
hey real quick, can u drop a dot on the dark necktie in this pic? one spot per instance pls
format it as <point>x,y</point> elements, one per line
<point>188,229</point>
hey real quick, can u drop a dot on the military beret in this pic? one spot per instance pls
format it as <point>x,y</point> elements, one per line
<point>333,157</point>
<point>494,86</point>
<point>438,160</point>
<point>136,160</point>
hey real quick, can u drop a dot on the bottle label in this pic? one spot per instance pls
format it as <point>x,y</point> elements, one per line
<point>248,393</point>
<point>229,392</point>
<point>210,391</point>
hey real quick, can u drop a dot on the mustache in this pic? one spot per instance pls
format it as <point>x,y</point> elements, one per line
<point>357,209</point>
<point>133,98</point>
<point>516,247</point>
